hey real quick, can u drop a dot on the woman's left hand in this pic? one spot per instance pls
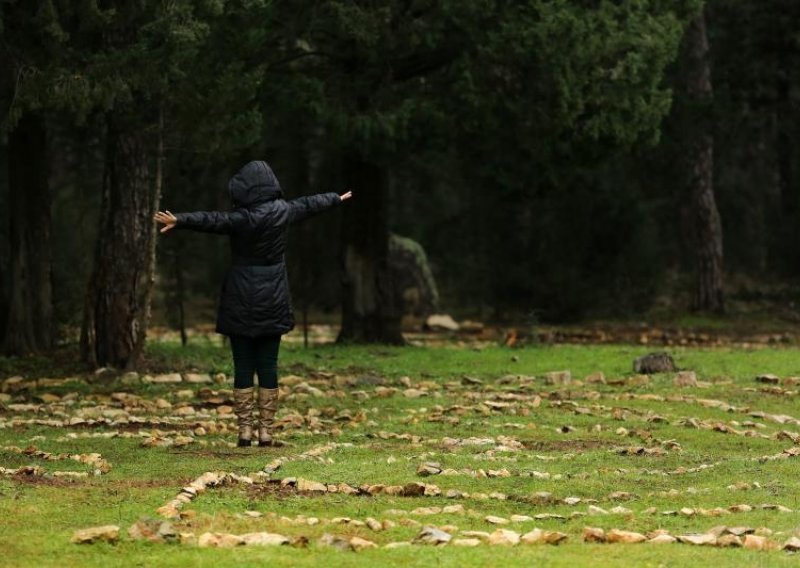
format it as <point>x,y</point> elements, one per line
<point>167,219</point>
<point>346,196</point>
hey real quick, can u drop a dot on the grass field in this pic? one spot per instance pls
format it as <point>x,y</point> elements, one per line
<point>632,454</point>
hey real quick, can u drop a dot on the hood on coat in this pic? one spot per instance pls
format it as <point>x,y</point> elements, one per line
<point>255,183</point>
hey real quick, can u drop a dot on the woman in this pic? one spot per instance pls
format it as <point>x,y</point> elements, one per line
<point>255,305</point>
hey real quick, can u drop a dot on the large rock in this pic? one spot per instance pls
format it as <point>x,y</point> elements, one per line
<point>106,533</point>
<point>654,363</point>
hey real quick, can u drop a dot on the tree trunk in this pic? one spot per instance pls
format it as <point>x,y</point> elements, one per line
<point>29,324</point>
<point>116,309</point>
<point>789,210</point>
<point>370,310</point>
<point>705,220</point>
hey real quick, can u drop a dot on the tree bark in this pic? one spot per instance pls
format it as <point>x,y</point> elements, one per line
<point>116,309</point>
<point>370,310</point>
<point>785,150</point>
<point>706,228</point>
<point>29,324</point>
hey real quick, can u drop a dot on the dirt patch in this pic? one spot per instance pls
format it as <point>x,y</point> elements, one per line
<point>147,483</point>
<point>273,490</point>
<point>41,481</point>
<point>566,445</point>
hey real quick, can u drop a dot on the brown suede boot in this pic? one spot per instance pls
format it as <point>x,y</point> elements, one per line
<point>267,407</point>
<point>244,405</point>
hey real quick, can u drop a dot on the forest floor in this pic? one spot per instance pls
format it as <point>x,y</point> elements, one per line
<point>471,446</point>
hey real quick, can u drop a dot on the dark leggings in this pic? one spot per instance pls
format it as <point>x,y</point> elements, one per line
<point>255,355</point>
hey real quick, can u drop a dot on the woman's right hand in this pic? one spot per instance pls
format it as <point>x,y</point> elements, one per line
<point>167,219</point>
<point>346,196</point>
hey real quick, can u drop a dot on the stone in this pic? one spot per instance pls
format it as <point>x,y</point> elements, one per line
<point>768,379</point>
<point>740,531</point>
<point>662,539</point>
<point>504,537</point>
<point>521,518</point>
<point>334,541</point>
<point>426,511</point>
<point>427,469</point>
<point>197,379</point>
<point>597,378</point>
<point>466,542</point>
<point>152,530</point>
<point>374,524</point>
<point>393,545</point>
<point>685,379</point>
<point>307,486</point>
<point>48,398</point>
<point>743,508</point>
<point>592,534</point>
<point>706,539</point>
<point>595,510</point>
<point>414,393</point>
<point>453,509</point>
<point>654,363</point>
<point>168,378</point>
<point>755,542</point>
<point>554,537</point>
<point>792,545</point>
<point>413,489</point>
<point>729,540</point>
<point>432,535</point>
<point>358,544</point>
<point>558,378</point>
<point>496,520</point>
<point>105,533</point>
<point>14,384</point>
<point>625,537</point>
<point>441,322</point>
<point>264,539</point>
<point>638,380</point>
<point>536,536</point>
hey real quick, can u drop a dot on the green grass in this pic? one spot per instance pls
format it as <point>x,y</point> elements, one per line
<point>40,515</point>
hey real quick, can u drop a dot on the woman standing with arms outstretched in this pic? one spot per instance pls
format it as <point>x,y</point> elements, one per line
<point>255,304</point>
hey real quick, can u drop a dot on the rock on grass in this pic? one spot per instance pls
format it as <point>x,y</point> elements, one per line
<point>105,533</point>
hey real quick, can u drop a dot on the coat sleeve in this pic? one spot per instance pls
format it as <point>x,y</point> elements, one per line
<point>304,207</point>
<point>220,222</point>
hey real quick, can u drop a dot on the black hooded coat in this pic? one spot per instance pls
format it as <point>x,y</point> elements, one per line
<point>255,299</point>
